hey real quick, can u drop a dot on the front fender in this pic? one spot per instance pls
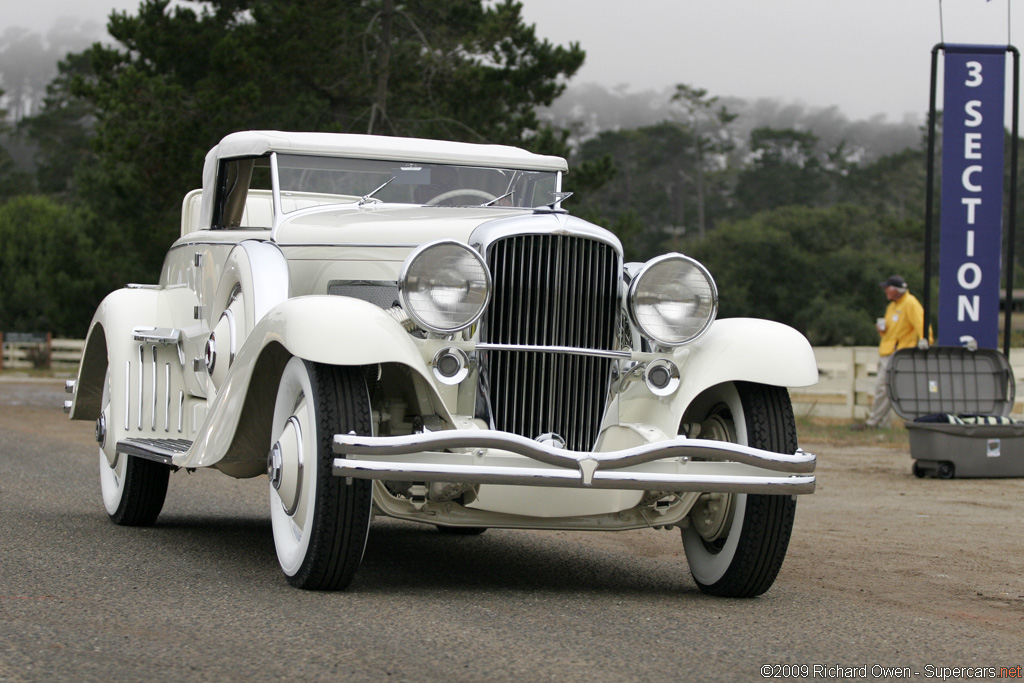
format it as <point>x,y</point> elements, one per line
<point>333,330</point>
<point>750,350</point>
<point>732,350</point>
<point>338,330</point>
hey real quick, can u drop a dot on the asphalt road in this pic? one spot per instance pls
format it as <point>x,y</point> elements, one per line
<point>199,596</point>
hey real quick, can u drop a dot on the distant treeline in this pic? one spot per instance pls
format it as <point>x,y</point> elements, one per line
<point>797,212</point>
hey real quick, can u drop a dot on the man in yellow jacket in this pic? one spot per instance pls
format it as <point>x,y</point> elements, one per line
<point>902,328</point>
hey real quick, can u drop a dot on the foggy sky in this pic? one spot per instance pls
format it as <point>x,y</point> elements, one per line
<point>867,57</point>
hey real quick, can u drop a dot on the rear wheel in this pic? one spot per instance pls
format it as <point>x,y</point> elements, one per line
<point>320,521</point>
<point>133,488</point>
<point>735,543</point>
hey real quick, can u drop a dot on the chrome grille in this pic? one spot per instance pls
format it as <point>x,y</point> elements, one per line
<point>550,290</point>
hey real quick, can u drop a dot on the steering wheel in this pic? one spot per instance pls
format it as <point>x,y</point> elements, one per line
<point>463,192</point>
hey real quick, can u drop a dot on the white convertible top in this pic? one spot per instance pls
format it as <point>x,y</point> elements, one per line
<point>259,142</point>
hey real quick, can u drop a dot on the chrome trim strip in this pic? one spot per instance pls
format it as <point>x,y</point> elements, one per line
<point>127,393</point>
<point>275,196</point>
<point>167,397</point>
<point>288,245</point>
<point>625,355</point>
<point>212,243</point>
<point>525,225</point>
<point>232,336</point>
<point>152,427</point>
<point>157,450</point>
<point>479,440</point>
<point>181,409</point>
<point>352,245</point>
<point>156,335</point>
<point>142,368</point>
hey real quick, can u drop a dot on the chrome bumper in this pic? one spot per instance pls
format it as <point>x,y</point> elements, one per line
<point>493,457</point>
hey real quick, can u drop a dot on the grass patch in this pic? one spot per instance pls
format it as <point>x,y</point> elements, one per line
<point>836,432</point>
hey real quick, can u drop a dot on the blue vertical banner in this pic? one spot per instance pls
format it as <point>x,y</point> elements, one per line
<point>970,243</point>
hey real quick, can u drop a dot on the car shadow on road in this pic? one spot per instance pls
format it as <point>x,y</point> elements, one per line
<point>402,555</point>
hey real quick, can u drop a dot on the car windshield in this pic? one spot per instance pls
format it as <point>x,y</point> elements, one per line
<point>307,180</point>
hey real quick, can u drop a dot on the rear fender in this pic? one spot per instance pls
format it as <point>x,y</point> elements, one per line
<point>109,340</point>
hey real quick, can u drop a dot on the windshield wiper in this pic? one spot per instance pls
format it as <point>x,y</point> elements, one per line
<point>367,197</point>
<point>557,197</point>
<point>498,199</point>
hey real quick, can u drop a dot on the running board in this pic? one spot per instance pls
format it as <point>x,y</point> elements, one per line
<point>158,450</point>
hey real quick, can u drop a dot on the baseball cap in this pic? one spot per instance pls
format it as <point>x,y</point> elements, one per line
<point>894,281</point>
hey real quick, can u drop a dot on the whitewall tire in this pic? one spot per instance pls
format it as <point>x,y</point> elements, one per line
<point>133,489</point>
<point>735,544</point>
<point>320,522</point>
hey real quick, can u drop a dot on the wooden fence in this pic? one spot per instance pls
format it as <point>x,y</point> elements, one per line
<point>22,352</point>
<point>846,374</point>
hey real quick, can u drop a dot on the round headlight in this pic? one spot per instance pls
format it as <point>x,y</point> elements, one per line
<point>673,300</point>
<point>444,286</point>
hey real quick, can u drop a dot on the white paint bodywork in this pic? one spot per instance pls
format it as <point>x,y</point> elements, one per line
<point>268,297</point>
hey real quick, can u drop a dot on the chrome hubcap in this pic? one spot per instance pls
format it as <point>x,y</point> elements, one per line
<point>101,430</point>
<point>285,464</point>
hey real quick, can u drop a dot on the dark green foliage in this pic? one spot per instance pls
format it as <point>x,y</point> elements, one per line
<point>12,181</point>
<point>651,192</point>
<point>785,171</point>
<point>180,79</point>
<point>894,185</point>
<point>816,269</point>
<point>49,279</point>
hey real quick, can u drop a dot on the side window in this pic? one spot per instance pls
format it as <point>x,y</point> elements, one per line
<point>232,187</point>
<point>241,182</point>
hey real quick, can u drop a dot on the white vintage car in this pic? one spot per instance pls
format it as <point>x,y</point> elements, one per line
<point>418,329</point>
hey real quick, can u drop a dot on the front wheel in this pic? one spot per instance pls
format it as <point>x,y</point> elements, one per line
<point>735,543</point>
<point>133,489</point>
<point>320,521</point>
